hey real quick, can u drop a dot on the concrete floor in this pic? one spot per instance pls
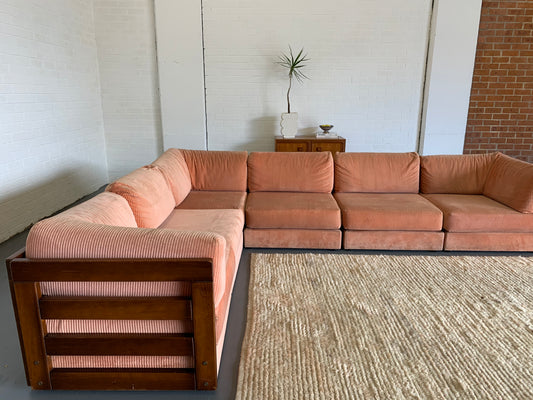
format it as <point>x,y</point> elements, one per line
<point>13,382</point>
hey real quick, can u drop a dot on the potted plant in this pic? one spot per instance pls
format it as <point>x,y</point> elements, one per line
<point>294,65</point>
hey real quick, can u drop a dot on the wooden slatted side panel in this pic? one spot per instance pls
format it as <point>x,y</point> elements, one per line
<point>122,379</point>
<point>32,309</point>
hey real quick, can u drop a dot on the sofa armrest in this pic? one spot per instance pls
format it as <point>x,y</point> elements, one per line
<point>74,239</point>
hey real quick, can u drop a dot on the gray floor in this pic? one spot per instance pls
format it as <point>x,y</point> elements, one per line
<point>13,382</point>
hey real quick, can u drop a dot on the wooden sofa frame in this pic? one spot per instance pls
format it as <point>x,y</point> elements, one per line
<point>32,308</point>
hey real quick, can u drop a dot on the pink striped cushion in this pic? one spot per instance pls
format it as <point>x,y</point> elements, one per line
<point>148,195</point>
<point>122,362</point>
<point>176,172</point>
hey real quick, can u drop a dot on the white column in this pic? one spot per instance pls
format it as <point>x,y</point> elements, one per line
<point>181,73</point>
<point>451,59</point>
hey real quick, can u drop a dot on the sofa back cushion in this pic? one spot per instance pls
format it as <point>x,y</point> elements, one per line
<point>217,170</point>
<point>148,195</point>
<point>290,172</point>
<point>454,174</point>
<point>377,172</point>
<point>174,168</point>
<point>510,182</point>
<point>105,208</point>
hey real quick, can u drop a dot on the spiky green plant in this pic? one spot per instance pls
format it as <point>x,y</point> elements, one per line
<point>294,65</point>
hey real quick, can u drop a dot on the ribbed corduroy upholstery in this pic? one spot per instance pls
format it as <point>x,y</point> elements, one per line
<point>174,168</point>
<point>148,194</point>
<point>105,208</point>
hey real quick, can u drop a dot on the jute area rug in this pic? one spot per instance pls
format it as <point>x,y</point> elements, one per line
<point>388,327</point>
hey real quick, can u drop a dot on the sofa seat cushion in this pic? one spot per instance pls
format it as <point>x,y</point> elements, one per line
<point>227,223</point>
<point>478,213</point>
<point>292,210</point>
<point>388,211</point>
<point>205,199</point>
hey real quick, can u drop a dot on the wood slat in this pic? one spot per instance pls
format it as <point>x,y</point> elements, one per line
<point>122,379</point>
<point>136,308</point>
<point>134,270</point>
<point>119,344</point>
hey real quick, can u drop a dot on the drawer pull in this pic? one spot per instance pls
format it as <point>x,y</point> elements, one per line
<point>300,149</point>
<point>319,149</point>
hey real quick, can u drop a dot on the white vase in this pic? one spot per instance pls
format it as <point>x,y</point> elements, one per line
<point>289,124</point>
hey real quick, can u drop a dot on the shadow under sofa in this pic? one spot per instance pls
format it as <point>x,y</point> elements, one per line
<point>136,283</point>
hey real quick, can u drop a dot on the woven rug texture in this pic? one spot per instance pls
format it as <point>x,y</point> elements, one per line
<point>336,326</point>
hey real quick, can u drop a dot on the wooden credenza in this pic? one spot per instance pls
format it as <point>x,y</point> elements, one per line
<point>310,143</point>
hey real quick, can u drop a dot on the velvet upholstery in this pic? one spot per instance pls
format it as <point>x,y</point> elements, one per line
<point>478,213</point>
<point>174,168</point>
<point>488,241</point>
<point>454,174</point>
<point>377,172</point>
<point>293,238</point>
<point>208,199</point>
<point>148,195</point>
<point>292,210</point>
<point>510,181</point>
<point>217,170</point>
<point>290,172</point>
<point>393,240</point>
<point>388,211</point>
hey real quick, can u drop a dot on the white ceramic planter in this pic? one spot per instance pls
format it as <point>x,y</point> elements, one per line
<point>289,124</point>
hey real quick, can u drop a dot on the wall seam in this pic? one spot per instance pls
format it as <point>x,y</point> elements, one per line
<point>421,116</point>
<point>203,66</point>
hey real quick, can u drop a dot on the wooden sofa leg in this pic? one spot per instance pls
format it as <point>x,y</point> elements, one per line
<point>31,329</point>
<point>204,335</point>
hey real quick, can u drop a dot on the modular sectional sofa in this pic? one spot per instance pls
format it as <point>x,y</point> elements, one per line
<point>130,290</point>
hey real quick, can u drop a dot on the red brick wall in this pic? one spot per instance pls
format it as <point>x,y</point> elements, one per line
<point>500,117</point>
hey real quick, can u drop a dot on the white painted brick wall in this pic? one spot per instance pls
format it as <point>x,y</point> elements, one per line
<point>125,36</point>
<point>51,127</point>
<point>366,70</point>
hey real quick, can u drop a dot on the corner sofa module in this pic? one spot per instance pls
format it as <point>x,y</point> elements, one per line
<point>381,208</point>
<point>486,199</point>
<point>140,288</point>
<point>290,204</point>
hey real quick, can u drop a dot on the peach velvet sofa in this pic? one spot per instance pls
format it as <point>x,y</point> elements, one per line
<point>131,289</point>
